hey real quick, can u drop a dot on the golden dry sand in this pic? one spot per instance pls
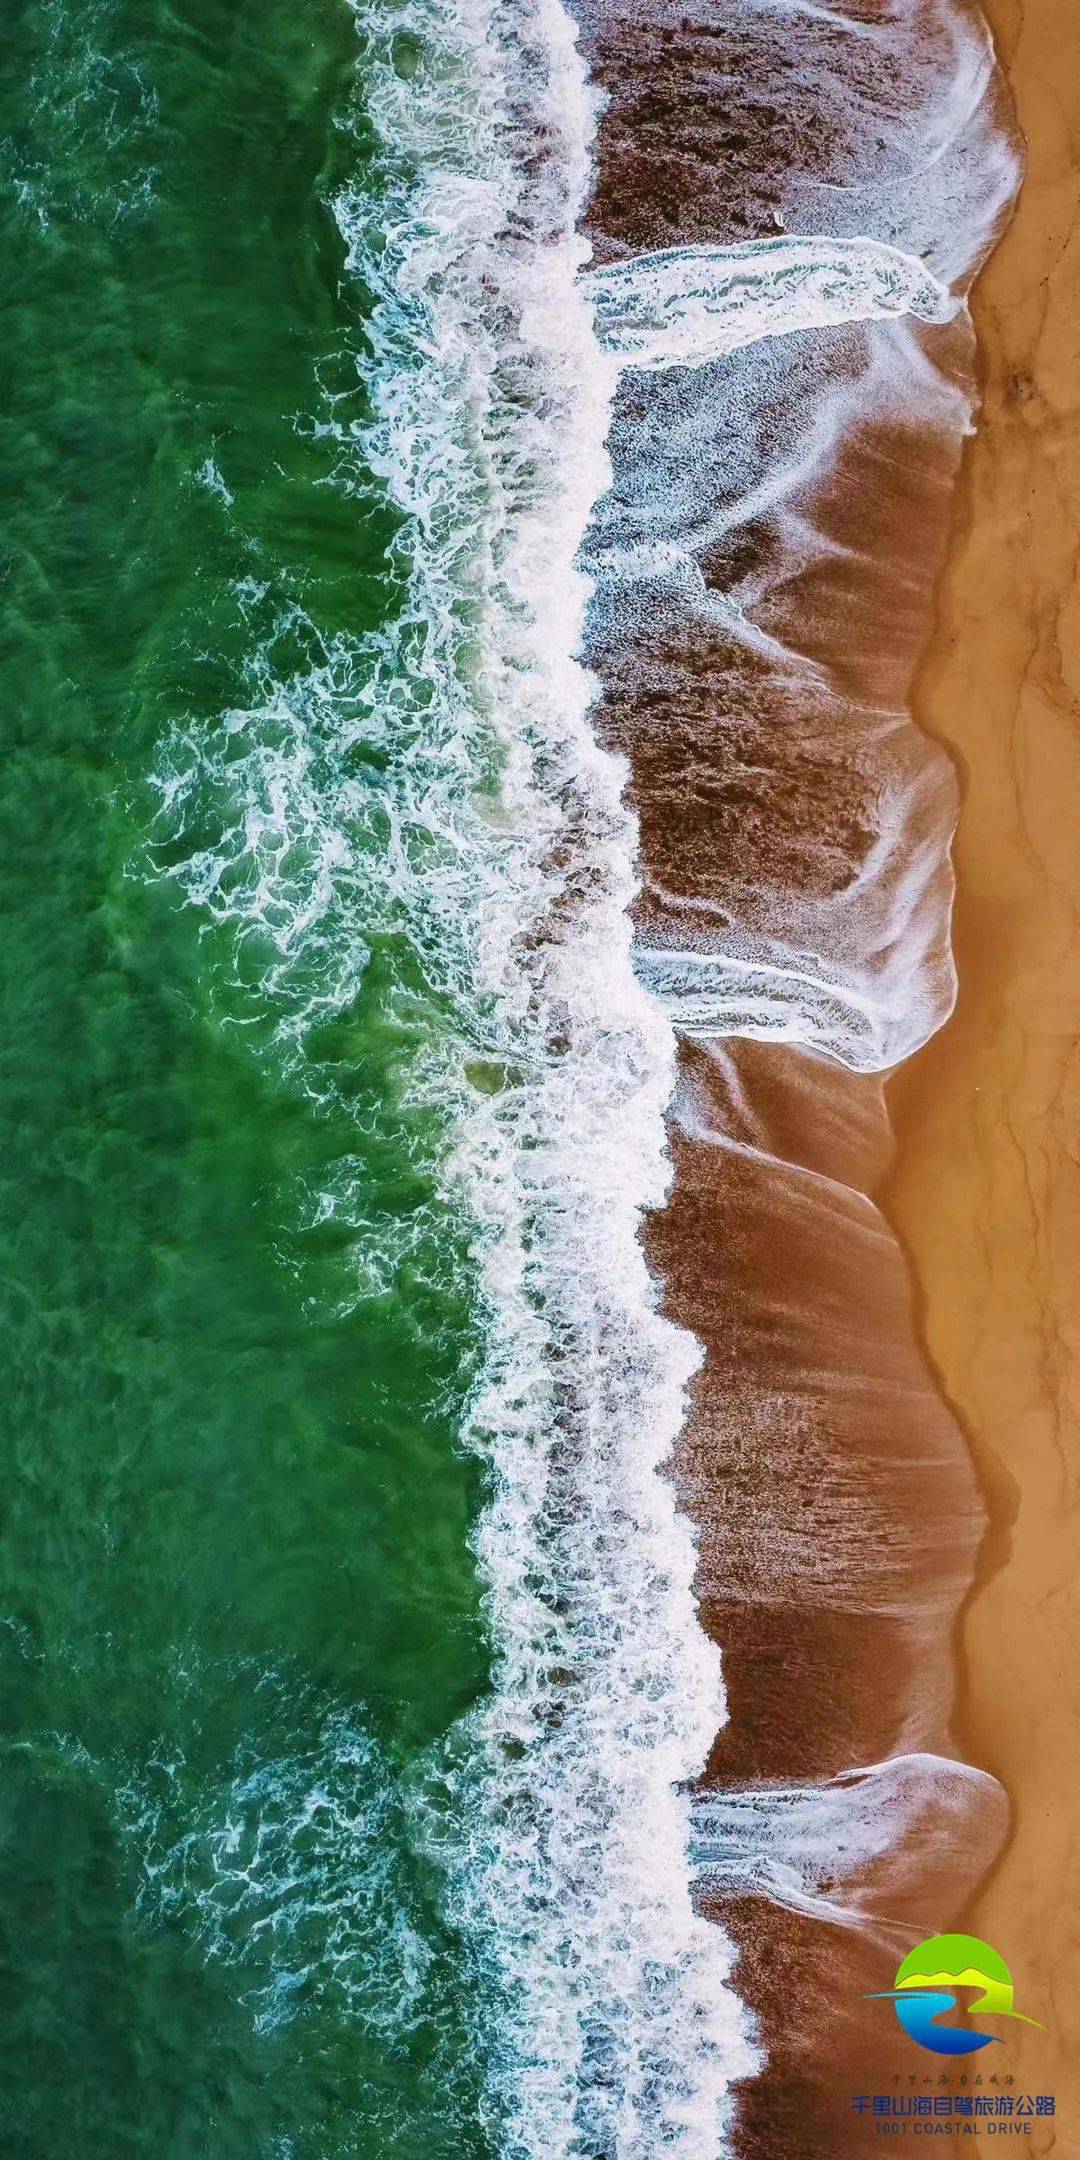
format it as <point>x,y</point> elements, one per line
<point>987,1190</point>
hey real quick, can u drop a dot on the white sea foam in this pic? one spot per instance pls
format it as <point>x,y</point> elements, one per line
<point>686,305</point>
<point>495,849</point>
<point>871,977</point>
<point>859,1848</point>
<point>287,1867</point>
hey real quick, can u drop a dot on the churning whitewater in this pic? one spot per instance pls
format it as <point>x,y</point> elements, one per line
<point>558,1808</point>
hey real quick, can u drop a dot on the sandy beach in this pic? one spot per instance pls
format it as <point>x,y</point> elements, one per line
<point>788,808</point>
<point>986,1193</point>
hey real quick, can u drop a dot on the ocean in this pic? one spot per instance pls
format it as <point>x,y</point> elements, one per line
<point>356,1684</point>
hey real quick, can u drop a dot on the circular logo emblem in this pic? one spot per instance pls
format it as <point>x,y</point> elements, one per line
<point>925,1990</point>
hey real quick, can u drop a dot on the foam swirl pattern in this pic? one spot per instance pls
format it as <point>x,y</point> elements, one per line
<point>502,860</point>
<point>684,306</point>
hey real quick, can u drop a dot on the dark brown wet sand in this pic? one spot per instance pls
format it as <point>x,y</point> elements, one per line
<point>834,1507</point>
<point>831,1488</point>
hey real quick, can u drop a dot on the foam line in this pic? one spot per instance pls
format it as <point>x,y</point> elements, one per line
<point>498,854</point>
<point>682,307</point>
<point>840,1849</point>
<point>607,2019</point>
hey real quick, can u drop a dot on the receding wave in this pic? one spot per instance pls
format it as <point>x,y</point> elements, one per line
<point>791,203</point>
<point>684,306</point>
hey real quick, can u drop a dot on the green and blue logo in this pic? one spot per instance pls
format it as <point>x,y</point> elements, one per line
<point>925,1989</point>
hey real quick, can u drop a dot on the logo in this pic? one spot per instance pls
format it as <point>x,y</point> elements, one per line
<point>925,1990</point>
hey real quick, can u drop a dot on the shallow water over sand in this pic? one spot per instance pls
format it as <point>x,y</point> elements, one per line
<point>765,565</point>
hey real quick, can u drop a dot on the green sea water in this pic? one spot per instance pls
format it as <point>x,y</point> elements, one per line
<point>237,1599</point>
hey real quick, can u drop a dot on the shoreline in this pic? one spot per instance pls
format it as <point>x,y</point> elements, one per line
<point>986,1115</point>
<point>788,805</point>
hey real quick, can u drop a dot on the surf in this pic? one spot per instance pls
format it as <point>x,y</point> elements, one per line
<point>541,511</point>
<point>498,853</point>
<point>788,226</point>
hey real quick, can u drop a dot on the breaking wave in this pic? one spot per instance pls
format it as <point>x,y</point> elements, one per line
<point>558,1809</point>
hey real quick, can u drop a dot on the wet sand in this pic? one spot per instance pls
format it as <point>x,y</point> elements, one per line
<point>987,1192</point>
<point>787,807</point>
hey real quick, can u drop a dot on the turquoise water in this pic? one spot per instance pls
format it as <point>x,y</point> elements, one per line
<point>238,1598</point>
